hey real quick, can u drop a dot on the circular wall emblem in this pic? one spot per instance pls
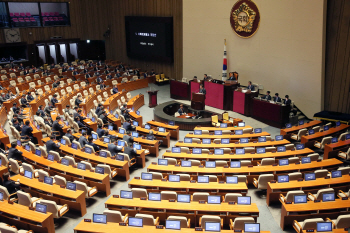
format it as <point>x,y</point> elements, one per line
<point>245,18</point>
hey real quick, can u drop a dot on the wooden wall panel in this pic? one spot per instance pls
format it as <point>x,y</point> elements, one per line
<point>337,78</point>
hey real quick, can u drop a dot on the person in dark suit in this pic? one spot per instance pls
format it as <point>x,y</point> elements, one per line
<point>114,148</point>
<point>41,111</point>
<point>75,72</point>
<point>78,100</point>
<point>205,78</point>
<point>277,99</point>
<point>202,89</point>
<point>48,121</point>
<point>125,114</point>
<point>54,100</point>
<point>9,95</point>
<point>115,89</point>
<point>127,125</point>
<point>232,76</point>
<point>48,109</point>
<point>287,101</point>
<point>87,75</point>
<point>107,71</point>
<point>96,68</point>
<point>64,69</point>
<point>99,80</point>
<point>267,96</point>
<point>121,66</point>
<point>23,101</point>
<point>82,139</point>
<point>99,63</point>
<point>80,124</point>
<point>91,143</point>
<point>117,74</point>
<point>128,138</point>
<point>17,125</point>
<point>98,109</point>
<point>56,84</point>
<point>85,70</point>
<point>14,107</point>
<point>131,152</point>
<point>11,186</point>
<point>69,135</point>
<point>99,113</point>
<point>27,131</point>
<point>181,110</point>
<point>250,86</point>
<point>78,114</point>
<point>51,145</point>
<point>30,97</point>
<point>100,132</point>
<point>104,118</point>
<point>103,85</point>
<point>56,126</point>
<point>26,71</point>
<point>109,76</point>
<point>14,153</point>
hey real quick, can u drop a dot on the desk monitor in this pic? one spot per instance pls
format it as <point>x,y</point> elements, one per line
<point>300,199</point>
<point>240,151</point>
<point>212,226</point>
<point>258,130</point>
<point>19,143</point>
<point>225,141</point>
<point>161,129</point>
<point>100,170</point>
<point>337,123</point>
<point>135,123</point>
<point>223,125</point>
<point>305,160</point>
<point>63,141</point>
<point>197,151</point>
<point>311,131</point>
<point>147,126</point>
<point>210,164</point>
<point>328,197</point>
<point>218,151</point>
<point>231,179</point>
<point>185,163</point>
<point>244,200</point>
<point>65,161</point>
<point>126,194</point>
<point>214,199</point>
<point>119,157</point>
<point>71,186</point>
<point>283,179</point>
<point>324,227</point>
<point>186,198</point>
<point>283,162</point>
<point>261,139</point>
<point>188,140</point>
<point>42,208</point>
<point>326,127</point>
<point>235,164</point>
<point>138,113</point>
<point>217,132</point>
<point>137,146</point>
<point>197,132</point>
<point>203,179</point>
<point>163,162</point>
<point>288,125</point>
<point>94,136</point>
<point>279,137</point>
<point>336,174</point>
<point>135,134</point>
<point>146,176</point>
<point>27,147</point>
<point>0,162</point>
<point>281,149</point>
<point>48,180</point>
<point>93,119</point>
<point>206,140</point>
<point>334,140</point>
<point>244,140</point>
<point>241,124</point>
<point>174,178</point>
<point>121,131</point>
<point>88,150</point>
<point>38,152</point>
<point>83,131</point>
<point>300,146</point>
<point>172,123</point>
<point>28,174</point>
<point>121,143</point>
<point>133,109</point>
<point>110,127</point>
<point>74,146</point>
<point>51,157</point>
<point>106,139</point>
<point>239,132</point>
<point>150,137</point>
<point>251,227</point>
<point>261,150</point>
<point>81,166</point>
<point>154,196</point>
<point>99,218</point>
<point>173,224</point>
<point>301,122</point>
<point>310,176</point>
<point>347,137</point>
<point>1,196</point>
<point>135,222</point>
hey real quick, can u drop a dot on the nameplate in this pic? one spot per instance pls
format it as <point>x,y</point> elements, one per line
<point>192,181</point>
<point>177,165</point>
<point>62,186</point>
<point>237,230</point>
<point>40,180</point>
<point>250,165</point>
<point>210,153</point>
<point>137,177</point>
<point>300,179</point>
<point>201,202</point>
<point>200,166</point>
<point>231,202</point>
<point>160,227</point>
<point>345,198</point>
<point>171,200</point>
<point>236,142</point>
<point>273,181</point>
<point>327,177</point>
<point>273,151</point>
<point>188,152</point>
<point>115,196</point>
<point>255,141</point>
<point>143,198</point>
<point>154,163</point>
<point>317,200</point>
<point>221,181</point>
<point>274,165</point>
<point>198,229</point>
<point>168,150</point>
<point>87,220</point>
<point>31,208</point>
<point>319,160</point>
<point>292,149</point>
<point>297,163</point>
<point>217,142</point>
<point>310,230</point>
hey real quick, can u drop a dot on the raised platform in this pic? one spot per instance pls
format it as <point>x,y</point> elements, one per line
<point>165,113</point>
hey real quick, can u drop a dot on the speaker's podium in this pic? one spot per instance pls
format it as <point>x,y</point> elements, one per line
<point>198,101</point>
<point>152,96</point>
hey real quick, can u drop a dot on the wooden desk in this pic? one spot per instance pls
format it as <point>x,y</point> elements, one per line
<point>21,216</point>
<point>91,124</point>
<point>165,137</point>
<point>287,132</point>
<point>309,140</point>
<point>3,170</point>
<point>192,210</point>
<point>250,172</point>
<point>36,133</point>
<point>74,199</point>
<point>115,121</point>
<point>187,187</point>
<point>275,189</point>
<point>112,101</point>
<point>174,130</point>
<point>333,231</point>
<point>212,129</point>
<point>137,102</point>
<point>185,116</point>
<point>329,148</point>
<point>230,136</point>
<point>136,117</point>
<point>300,212</point>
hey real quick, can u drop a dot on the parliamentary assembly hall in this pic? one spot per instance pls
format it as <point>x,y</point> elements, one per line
<point>160,116</point>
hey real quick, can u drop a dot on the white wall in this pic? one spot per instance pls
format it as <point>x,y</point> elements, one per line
<point>74,49</point>
<point>53,53</point>
<point>41,50</point>
<point>286,55</point>
<point>63,52</point>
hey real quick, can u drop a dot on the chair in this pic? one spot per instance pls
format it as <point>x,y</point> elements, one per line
<point>26,199</point>
<point>249,150</point>
<point>171,161</point>
<point>60,180</point>
<point>313,156</point>
<point>184,80</point>
<point>176,114</point>
<point>270,149</point>
<point>4,160</point>
<point>325,140</point>
<point>215,120</point>
<point>342,137</point>
<point>91,90</point>
<point>42,174</point>
<point>210,218</point>
<point>29,167</point>
<point>262,181</point>
<point>289,146</point>
<point>88,165</point>
<point>139,192</point>
<point>184,149</point>
<point>56,210</point>
<point>184,223</point>
<point>295,176</point>
<point>226,117</point>
<point>238,223</point>
<point>220,163</point>
<point>166,195</point>
<point>290,195</point>
<point>43,151</point>
<point>344,170</point>
<point>148,220</point>
<point>196,140</point>
<point>343,221</point>
<point>298,136</point>
<point>131,162</point>
<point>197,196</point>
<point>185,177</point>
<point>108,170</point>
<point>247,131</point>
<point>115,216</point>
<point>319,194</point>
<point>4,228</point>
<point>71,160</point>
<point>245,163</point>
<point>232,197</point>
<point>89,191</point>
<point>340,194</point>
<point>91,147</point>
<point>15,168</point>
<point>328,124</point>
<point>128,96</point>
<point>56,156</point>
<point>213,178</point>
<point>321,173</point>
<point>194,162</point>
<point>306,224</point>
<point>266,162</point>
<point>293,160</point>
<point>316,129</point>
<point>156,175</point>
<point>7,195</point>
<point>344,155</point>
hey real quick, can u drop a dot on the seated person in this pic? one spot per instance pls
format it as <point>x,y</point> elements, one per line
<point>49,108</point>
<point>115,89</point>
<point>205,78</point>
<point>82,139</point>
<point>79,100</point>
<point>51,145</point>
<point>114,148</point>
<point>41,111</point>
<point>102,85</point>
<point>91,143</point>
<point>23,101</point>
<point>99,80</point>
<point>54,100</point>
<point>127,125</point>
<point>98,108</point>
<point>56,84</point>
<point>104,118</point>
<point>79,114</point>
<point>56,126</point>
<point>69,135</point>
<point>48,121</point>
<point>100,131</point>
<point>14,153</point>
<point>27,131</point>
<point>67,109</point>
<point>11,186</point>
<point>181,110</point>
<point>128,138</point>
<point>250,86</point>
<point>233,76</point>
<point>277,99</point>
<point>17,125</point>
<point>126,115</point>
<point>267,96</point>
<point>14,108</point>
<point>129,150</point>
<point>287,101</point>
<point>80,124</point>
<point>102,110</point>
<point>10,95</point>
<point>30,98</point>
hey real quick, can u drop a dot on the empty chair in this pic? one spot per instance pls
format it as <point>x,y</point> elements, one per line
<point>343,221</point>
<point>184,149</point>
<point>342,137</point>
<point>340,194</point>
<point>238,223</point>
<point>88,165</point>
<point>115,216</point>
<point>4,228</point>
<point>89,191</point>
<point>42,174</point>
<point>232,197</point>
<point>242,178</point>
<point>69,89</point>
<point>248,130</point>
<point>56,210</point>
<point>213,178</point>
<point>226,150</point>
<point>321,173</point>
<point>298,136</point>
<point>195,162</point>
<point>344,170</point>
<point>290,146</point>
<point>71,160</point>
<point>91,90</point>
<point>56,156</point>
<point>76,87</point>
<point>215,120</point>
<point>7,195</point>
<point>197,196</point>
<point>156,175</point>
<point>220,163</point>
<point>4,160</point>
<point>166,195</point>
<point>148,220</point>
<point>328,124</point>
<point>306,224</point>
<point>295,176</point>
<point>316,129</point>
<point>184,80</point>
<point>172,161</point>
<point>325,140</point>
<point>216,141</point>
<point>185,177</point>
<point>245,163</point>
<point>262,181</point>
<point>128,96</point>
<point>108,170</point>
<point>196,140</point>
<point>209,218</point>
<point>205,151</point>
<point>319,194</point>
<point>249,150</point>
<point>290,195</point>
<point>29,167</point>
<point>270,149</point>
<point>91,147</point>
<point>266,162</point>
<point>184,223</point>
<point>60,180</point>
<point>224,132</point>
<point>344,155</point>
<point>26,199</point>
<point>293,160</point>
<point>139,192</point>
<point>15,168</point>
<point>313,156</point>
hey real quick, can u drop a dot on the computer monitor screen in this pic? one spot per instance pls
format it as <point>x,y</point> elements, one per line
<point>27,147</point>
<point>244,200</point>
<point>334,140</point>
<point>210,164</point>
<point>300,146</point>
<point>19,143</point>
<point>154,196</point>
<point>198,132</point>
<point>324,227</point>
<point>0,162</point>
<point>74,146</point>
<point>326,127</point>
<point>251,227</point>
<point>305,160</point>
<point>173,224</point>
<point>279,138</point>
<point>212,226</point>
<point>235,164</point>
<point>184,198</point>
<point>217,132</point>
<point>338,123</point>
<point>328,197</point>
<point>188,140</point>
<point>93,119</point>
<point>244,140</point>
<point>135,222</point>
<point>150,137</point>
<point>1,196</point>
<point>147,126</point>
<point>71,186</point>
<point>231,179</point>
<point>347,137</point>
<point>241,124</point>
<point>223,125</point>
<point>260,150</point>
<point>137,146</point>
<point>301,122</point>
<point>28,174</point>
<point>103,154</point>
<point>281,149</point>
<point>174,178</point>
<point>100,170</point>
<point>138,112</point>
<point>65,162</point>
<point>262,139</point>
<point>135,123</point>
<point>163,162</point>
<point>214,199</point>
<point>106,139</point>
<point>146,176</point>
<point>38,152</point>
<point>196,151</point>
<point>225,141</point>
<point>81,166</point>
<point>110,127</point>
<point>42,208</point>
<point>311,132</point>
<point>288,125</point>
<point>161,129</point>
<point>119,157</point>
<point>240,151</point>
<point>94,136</point>
<point>218,151</point>
<point>310,176</point>
<point>122,131</point>
<point>121,143</point>
<point>283,179</point>
<point>283,162</point>
<point>126,194</point>
<point>63,141</point>
<point>171,123</point>
<point>50,157</point>
<point>88,150</point>
<point>336,174</point>
<point>206,140</point>
<point>185,163</point>
<point>83,131</point>
<point>299,199</point>
<point>99,218</point>
<point>239,132</point>
<point>203,179</point>
<point>258,130</point>
<point>135,134</point>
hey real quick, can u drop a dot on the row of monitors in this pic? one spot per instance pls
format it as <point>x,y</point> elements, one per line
<point>227,140</point>
<point>308,176</point>
<point>302,122</point>
<point>237,132</point>
<point>200,179</point>
<point>176,224</point>
<point>302,199</point>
